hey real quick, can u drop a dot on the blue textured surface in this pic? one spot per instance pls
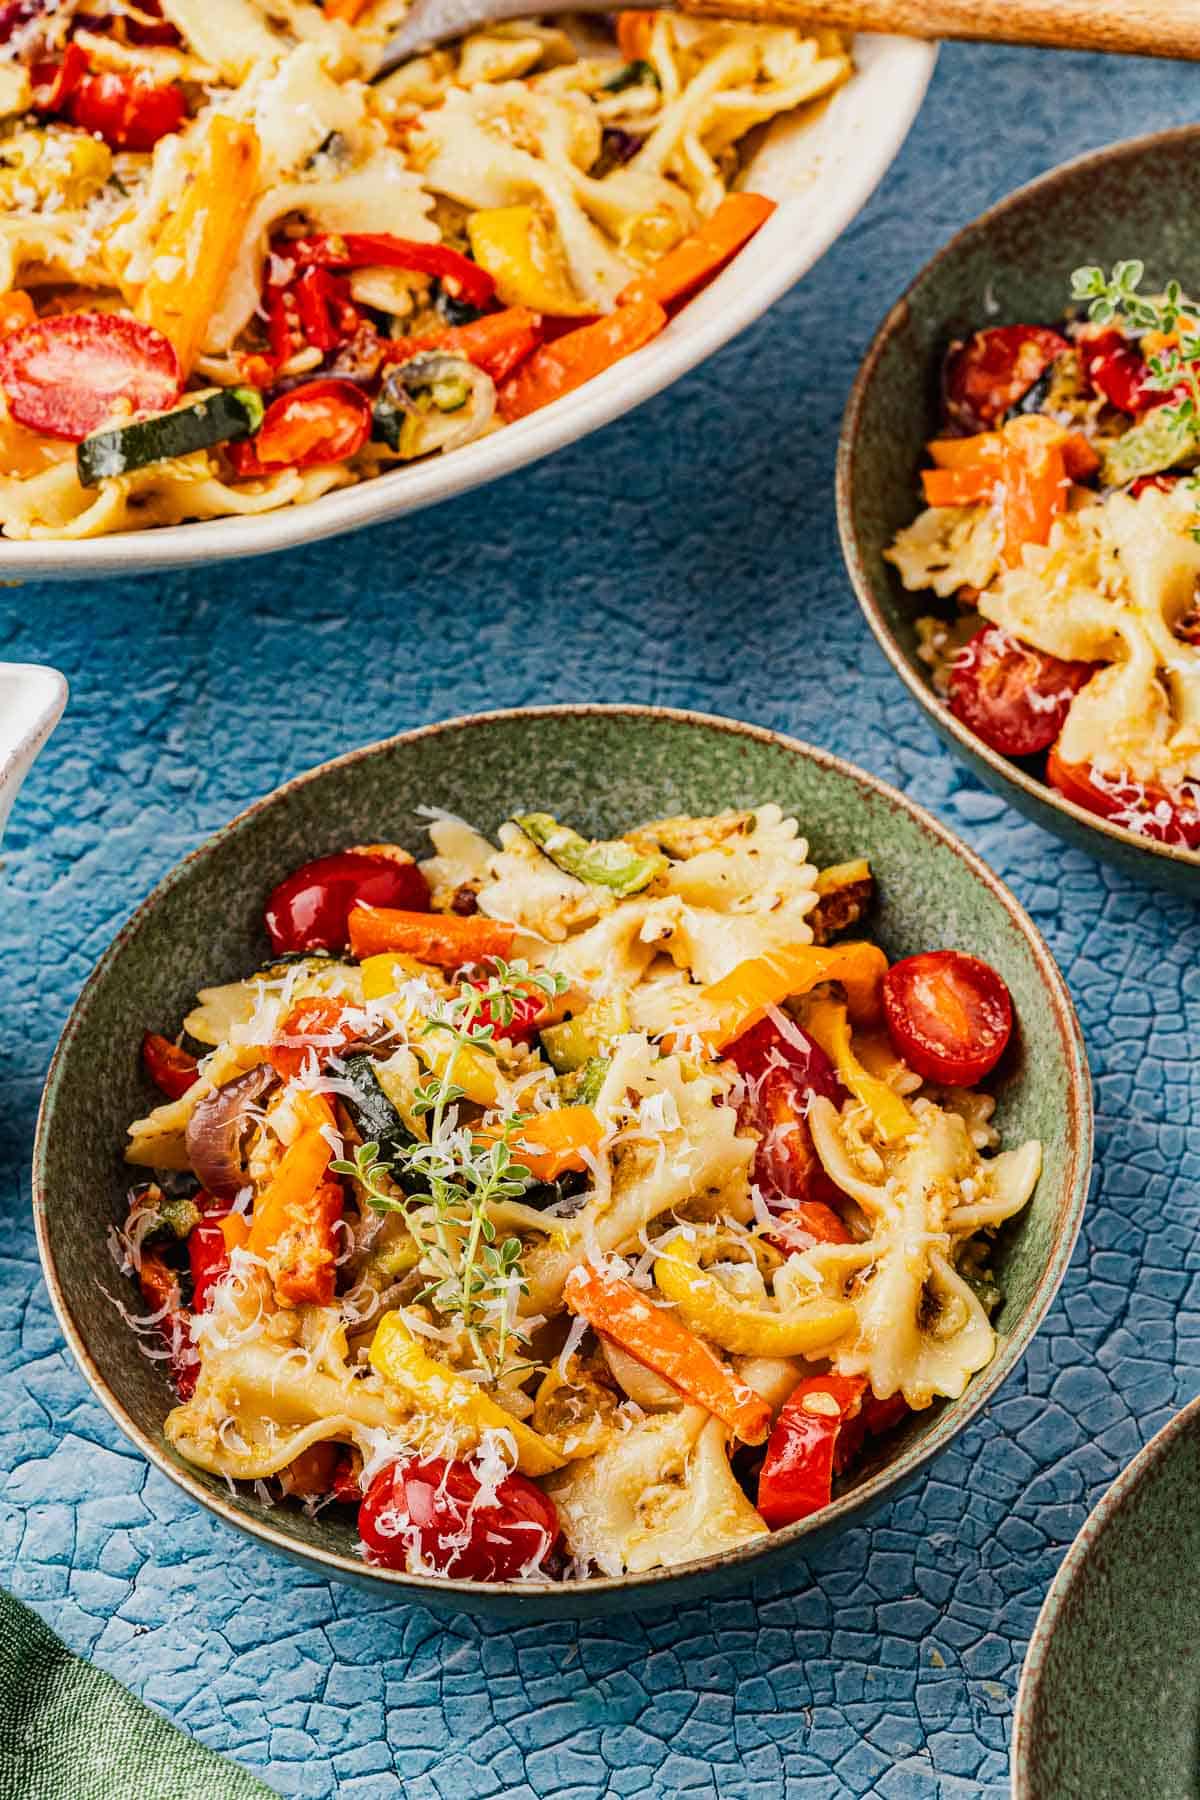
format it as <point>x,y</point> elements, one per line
<point>687,556</point>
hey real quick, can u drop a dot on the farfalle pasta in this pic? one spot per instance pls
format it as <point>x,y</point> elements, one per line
<point>236,273</point>
<point>569,1206</point>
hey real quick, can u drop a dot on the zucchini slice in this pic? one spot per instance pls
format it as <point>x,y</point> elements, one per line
<point>214,417</point>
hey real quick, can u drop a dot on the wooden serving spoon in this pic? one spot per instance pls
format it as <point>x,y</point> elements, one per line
<point>1133,27</point>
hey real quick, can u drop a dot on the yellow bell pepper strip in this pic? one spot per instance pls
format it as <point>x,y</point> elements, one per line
<point>522,254</point>
<point>445,1394</point>
<point>201,239</point>
<point>384,974</point>
<point>728,1007</point>
<point>657,1338</point>
<point>698,257</point>
<point>549,1144</point>
<point>444,939</point>
<point>473,1071</point>
<point>608,864</point>
<point>559,368</point>
<point>292,1226</point>
<point>738,1326</point>
<point>825,1020</point>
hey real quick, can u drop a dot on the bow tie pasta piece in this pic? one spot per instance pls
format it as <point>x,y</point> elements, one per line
<point>947,548</point>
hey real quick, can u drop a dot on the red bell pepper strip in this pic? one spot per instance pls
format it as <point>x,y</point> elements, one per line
<point>321,422</point>
<point>208,1250</point>
<point>171,1069</point>
<point>497,343</point>
<point>129,111</point>
<point>812,1222</point>
<point>160,1290</point>
<point>806,1448</point>
<point>326,312</point>
<point>1118,371</point>
<point>461,277</point>
<point>54,83</point>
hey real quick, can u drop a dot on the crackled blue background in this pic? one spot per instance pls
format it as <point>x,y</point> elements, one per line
<point>686,555</point>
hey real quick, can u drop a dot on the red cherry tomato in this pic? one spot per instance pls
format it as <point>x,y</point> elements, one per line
<point>321,422</point>
<point>1012,696</point>
<point>806,1448</point>
<point>1163,483</point>
<point>992,370</point>
<point>310,910</point>
<point>171,1069</point>
<point>948,1015</point>
<point>1116,369</point>
<point>130,112</point>
<point>313,1026</point>
<point>780,1078</point>
<point>423,1511</point>
<point>68,375</point>
<point>1149,811</point>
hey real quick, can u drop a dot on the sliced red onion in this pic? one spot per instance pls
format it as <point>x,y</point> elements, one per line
<point>217,1129</point>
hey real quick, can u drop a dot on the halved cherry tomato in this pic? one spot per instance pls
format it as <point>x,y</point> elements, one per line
<point>812,1222</point>
<point>129,111</point>
<point>991,371</point>
<point>316,1026</point>
<point>806,1448</point>
<point>780,1078</point>
<point>425,1510</point>
<point>310,910</point>
<point>1149,811</point>
<point>68,375</point>
<point>1012,696</point>
<point>461,277</point>
<point>948,1015</point>
<point>1116,369</point>
<point>321,422</point>
<point>171,1069</point>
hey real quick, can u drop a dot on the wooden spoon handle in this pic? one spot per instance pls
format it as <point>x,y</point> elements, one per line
<point>1134,27</point>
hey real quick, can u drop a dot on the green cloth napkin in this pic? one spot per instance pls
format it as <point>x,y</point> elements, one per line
<point>68,1731</point>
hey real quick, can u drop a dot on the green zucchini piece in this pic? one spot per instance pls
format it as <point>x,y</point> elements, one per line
<point>588,1035</point>
<point>214,417</point>
<point>613,865</point>
<point>1158,443</point>
<point>582,1086</point>
<point>376,1120</point>
<point>638,73</point>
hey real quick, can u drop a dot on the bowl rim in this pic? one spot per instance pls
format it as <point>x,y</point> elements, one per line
<point>981,1388</point>
<point>1105,1513</point>
<point>1175,137</point>
<point>910,62</point>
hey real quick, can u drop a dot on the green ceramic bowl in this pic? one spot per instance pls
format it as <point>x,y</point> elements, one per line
<point>1109,1702</point>
<point>1137,199</point>
<point>601,767</point>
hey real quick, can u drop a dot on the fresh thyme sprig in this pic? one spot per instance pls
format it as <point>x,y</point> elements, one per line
<point>1172,370</point>
<point>472,1276</point>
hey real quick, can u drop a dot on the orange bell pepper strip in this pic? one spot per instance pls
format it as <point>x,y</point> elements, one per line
<point>633,34</point>
<point>727,1008</point>
<point>663,1343</point>
<point>16,311</point>
<point>698,257</point>
<point>444,939</point>
<point>959,487</point>
<point>346,10</point>
<point>294,1215</point>
<point>559,368</point>
<point>235,1230</point>
<point>497,343</point>
<point>551,1143</point>
<point>315,1026</point>
<point>1033,475</point>
<point>985,451</point>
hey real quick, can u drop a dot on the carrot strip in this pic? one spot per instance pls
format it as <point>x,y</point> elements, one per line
<point>727,1008</point>
<point>312,1025</point>
<point>294,1216</point>
<point>659,1339</point>
<point>550,1143</point>
<point>958,487</point>
<point>634,30</point>
<point>440,938</point>
<point>1034,478</point>
<point>568,362</point>
<point>699,256</point>
<point>966,453</point>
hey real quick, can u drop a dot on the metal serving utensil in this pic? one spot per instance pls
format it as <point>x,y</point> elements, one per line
<point>1169,28</point>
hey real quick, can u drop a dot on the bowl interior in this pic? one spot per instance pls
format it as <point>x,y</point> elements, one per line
<point>1126,1599</point>
<point>1014,264</point>
<point>603,769</point>
<point>819,164</point>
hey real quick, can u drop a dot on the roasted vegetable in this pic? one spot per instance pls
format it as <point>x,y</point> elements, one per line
<point>844,894</point>
<point>1162,440</point>
<point>214,417</point>
<point>433,402</point>
<point>374,1117</point>
<point>587,1037</point>
<point>613,865</point>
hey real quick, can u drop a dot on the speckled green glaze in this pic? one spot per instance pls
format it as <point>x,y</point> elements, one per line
<point>604,768</point>
<point>1136,199</point>
<point>1109,1704</point>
